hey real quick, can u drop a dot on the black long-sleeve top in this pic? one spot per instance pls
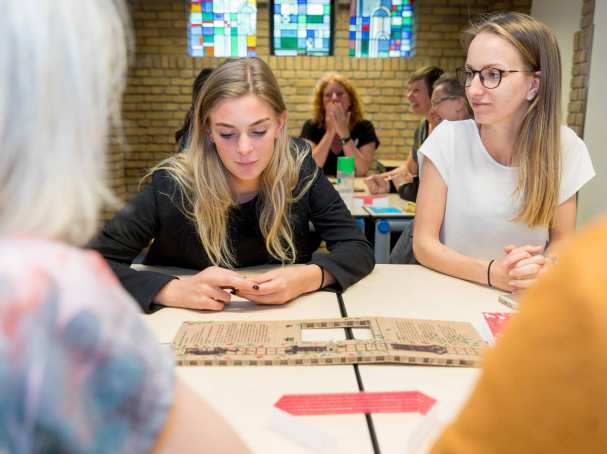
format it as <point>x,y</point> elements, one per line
<point>155,213</point>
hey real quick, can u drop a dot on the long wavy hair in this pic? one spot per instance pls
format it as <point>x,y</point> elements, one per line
<point>318,106</point>
<point>537,149</point>
<point>203,180</point>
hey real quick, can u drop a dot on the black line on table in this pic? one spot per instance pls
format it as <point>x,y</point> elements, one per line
<point>359,381</point>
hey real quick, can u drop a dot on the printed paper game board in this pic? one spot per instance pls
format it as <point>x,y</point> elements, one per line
<point>267,343</point>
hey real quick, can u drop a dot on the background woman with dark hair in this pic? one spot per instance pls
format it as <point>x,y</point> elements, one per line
<point>182,136</point>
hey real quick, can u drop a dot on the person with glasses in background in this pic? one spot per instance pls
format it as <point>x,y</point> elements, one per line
<point>448,103</point>
<point>449,100</point>
<point>79,370</point>
<point>498,193</point>
<point>338,127</point>
<point>419,92</point>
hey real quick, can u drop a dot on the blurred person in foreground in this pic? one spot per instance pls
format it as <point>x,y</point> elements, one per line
<point>79,371</point>
<point>542,388</point>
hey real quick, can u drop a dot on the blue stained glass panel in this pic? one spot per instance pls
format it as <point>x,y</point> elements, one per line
<point>381,29</point>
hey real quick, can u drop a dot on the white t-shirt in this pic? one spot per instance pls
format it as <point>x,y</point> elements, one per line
<point>480,203</point>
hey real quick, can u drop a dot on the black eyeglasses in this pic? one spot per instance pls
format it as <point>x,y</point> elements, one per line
<point>436,102</point>
<point>490,77</point>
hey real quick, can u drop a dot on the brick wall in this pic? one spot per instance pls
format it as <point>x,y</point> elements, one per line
<point>580,71</point>
<point>159,82</point>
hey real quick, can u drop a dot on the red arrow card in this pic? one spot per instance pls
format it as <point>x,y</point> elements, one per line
<point>362,402</point>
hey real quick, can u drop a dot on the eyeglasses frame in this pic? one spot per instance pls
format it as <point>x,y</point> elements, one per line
<point>466,84</point>
<point>444,98</point>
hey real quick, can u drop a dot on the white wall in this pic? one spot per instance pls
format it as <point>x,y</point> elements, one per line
<point>563,18</point>
<point>593,196</point>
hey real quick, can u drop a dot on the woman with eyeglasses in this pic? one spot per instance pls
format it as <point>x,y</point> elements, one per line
<point>449,100</point>
<point>419,92</point>
<point>338,127</point>
<point>498,193</point>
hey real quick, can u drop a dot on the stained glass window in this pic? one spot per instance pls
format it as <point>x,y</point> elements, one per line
<point>222,28</point>
<point>381,28</point>
<point>301,27</point>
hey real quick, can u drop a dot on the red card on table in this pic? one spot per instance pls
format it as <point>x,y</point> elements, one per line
<point>361,402</point>
<point>496,321</point>
<point>371,200</point>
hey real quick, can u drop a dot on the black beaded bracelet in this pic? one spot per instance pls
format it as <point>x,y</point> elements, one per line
<point>322,277</point>
<point>489,273</point>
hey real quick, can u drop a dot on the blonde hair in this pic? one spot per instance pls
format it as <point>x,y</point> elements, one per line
<point>62,72</point>
<point>318,105</point>
<point>202,178</point>
<point>537,149</point>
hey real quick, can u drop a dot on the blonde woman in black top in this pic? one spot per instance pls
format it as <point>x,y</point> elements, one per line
<point>242,194</point>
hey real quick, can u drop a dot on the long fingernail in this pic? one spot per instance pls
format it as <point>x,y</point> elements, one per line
<point>255,287</point>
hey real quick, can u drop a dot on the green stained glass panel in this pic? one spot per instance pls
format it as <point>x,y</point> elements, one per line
<point>211,20</point>
<point>301,27</point>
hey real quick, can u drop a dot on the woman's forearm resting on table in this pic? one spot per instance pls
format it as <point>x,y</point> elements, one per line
<point>435,255</point>
<point>515,270</point>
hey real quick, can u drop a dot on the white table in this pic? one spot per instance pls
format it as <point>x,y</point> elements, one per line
<point>245,396</point>
<point>411,291</point>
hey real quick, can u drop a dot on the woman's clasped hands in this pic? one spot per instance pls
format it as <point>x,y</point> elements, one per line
<point>518,268</point>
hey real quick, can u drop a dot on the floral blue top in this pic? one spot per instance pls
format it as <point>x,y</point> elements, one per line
<point>79,371</point>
